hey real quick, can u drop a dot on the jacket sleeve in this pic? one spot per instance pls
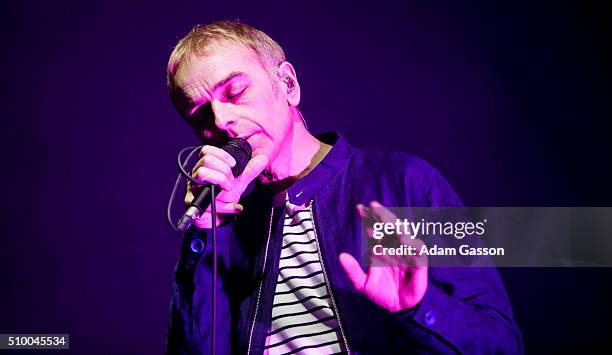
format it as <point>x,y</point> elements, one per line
<point>188,332</point>
<point>465,309</point>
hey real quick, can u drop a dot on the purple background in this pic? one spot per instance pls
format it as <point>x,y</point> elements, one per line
<point>510,102</point>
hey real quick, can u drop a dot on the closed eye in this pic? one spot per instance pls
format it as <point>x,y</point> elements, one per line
<point>235,93</point>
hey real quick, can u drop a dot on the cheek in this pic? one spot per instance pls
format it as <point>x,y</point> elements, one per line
<point>272,120</point>
<point>280,127</point>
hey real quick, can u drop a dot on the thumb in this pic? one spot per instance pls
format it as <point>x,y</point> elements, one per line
<point>253,168</point>
<point>353,270</point>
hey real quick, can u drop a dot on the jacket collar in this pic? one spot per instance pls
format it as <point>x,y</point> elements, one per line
<point>305,188</point>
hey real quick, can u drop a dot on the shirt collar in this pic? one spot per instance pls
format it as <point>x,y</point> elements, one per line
<point>305,188</point>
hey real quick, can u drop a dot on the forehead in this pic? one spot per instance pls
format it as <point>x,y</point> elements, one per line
<point>222,59</point>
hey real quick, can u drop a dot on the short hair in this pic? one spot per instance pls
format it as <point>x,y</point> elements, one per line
<point>199,39</point>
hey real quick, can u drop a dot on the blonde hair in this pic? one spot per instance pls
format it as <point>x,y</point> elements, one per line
<point>199,39</point>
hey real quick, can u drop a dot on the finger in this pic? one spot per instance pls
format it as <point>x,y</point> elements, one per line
<point>223,210</point>
<point>377,261</point>
<point>231,196</point>
<point>353,270</point>
<point>362,210</point>
<point>254,167</point>
<point>405,239</point>
<point>418,261</point>
<point>204,175</point>
<point>188,197</point>
<point>383,213</point>
<point>367,219</point>
<point>205,221</point>
<point>223,205</point>
<point>218,152</point>
<point>214,162</point>
<point>227,197</point>
<point>226,208</point>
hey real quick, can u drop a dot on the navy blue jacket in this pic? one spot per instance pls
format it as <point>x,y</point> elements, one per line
<point>465,310</point>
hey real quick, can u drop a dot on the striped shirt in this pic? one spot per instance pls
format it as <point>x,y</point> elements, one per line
<point>303,321</point>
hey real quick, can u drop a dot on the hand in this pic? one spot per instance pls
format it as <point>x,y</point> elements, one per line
<point>392,282</point>
<point>215,167</point>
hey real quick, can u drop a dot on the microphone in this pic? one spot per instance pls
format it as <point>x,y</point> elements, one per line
<point>240,150</point>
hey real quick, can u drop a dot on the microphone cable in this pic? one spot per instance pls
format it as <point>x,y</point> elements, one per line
<point>213,205</point>
<point>182,173</point>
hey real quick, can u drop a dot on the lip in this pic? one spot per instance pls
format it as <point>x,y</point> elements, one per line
<point>247,137</point>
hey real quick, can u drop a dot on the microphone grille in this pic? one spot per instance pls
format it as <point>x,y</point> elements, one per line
<point>240,149</point>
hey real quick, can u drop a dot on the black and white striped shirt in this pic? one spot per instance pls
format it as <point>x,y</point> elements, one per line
<point>303,321</point>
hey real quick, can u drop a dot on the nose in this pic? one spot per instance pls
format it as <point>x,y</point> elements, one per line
<point>223,115</point>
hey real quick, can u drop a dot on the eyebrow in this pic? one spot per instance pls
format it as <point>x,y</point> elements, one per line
<point>219,84</point>
<point>224,81</point>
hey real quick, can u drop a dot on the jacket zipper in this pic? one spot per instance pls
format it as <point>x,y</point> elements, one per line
<point>331,292</point>
<point>263,269</point>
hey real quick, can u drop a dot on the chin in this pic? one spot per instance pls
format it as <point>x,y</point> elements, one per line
<point>260,147</point>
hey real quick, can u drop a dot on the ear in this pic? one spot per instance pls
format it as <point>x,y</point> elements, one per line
<point>286,71</point>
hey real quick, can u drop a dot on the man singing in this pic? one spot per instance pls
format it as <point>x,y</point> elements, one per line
<point>289,231</point>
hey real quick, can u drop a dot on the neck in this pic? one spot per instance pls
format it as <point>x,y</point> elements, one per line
<point>299,154</point>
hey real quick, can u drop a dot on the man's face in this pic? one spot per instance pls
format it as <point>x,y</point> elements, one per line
<point>228,93</point>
